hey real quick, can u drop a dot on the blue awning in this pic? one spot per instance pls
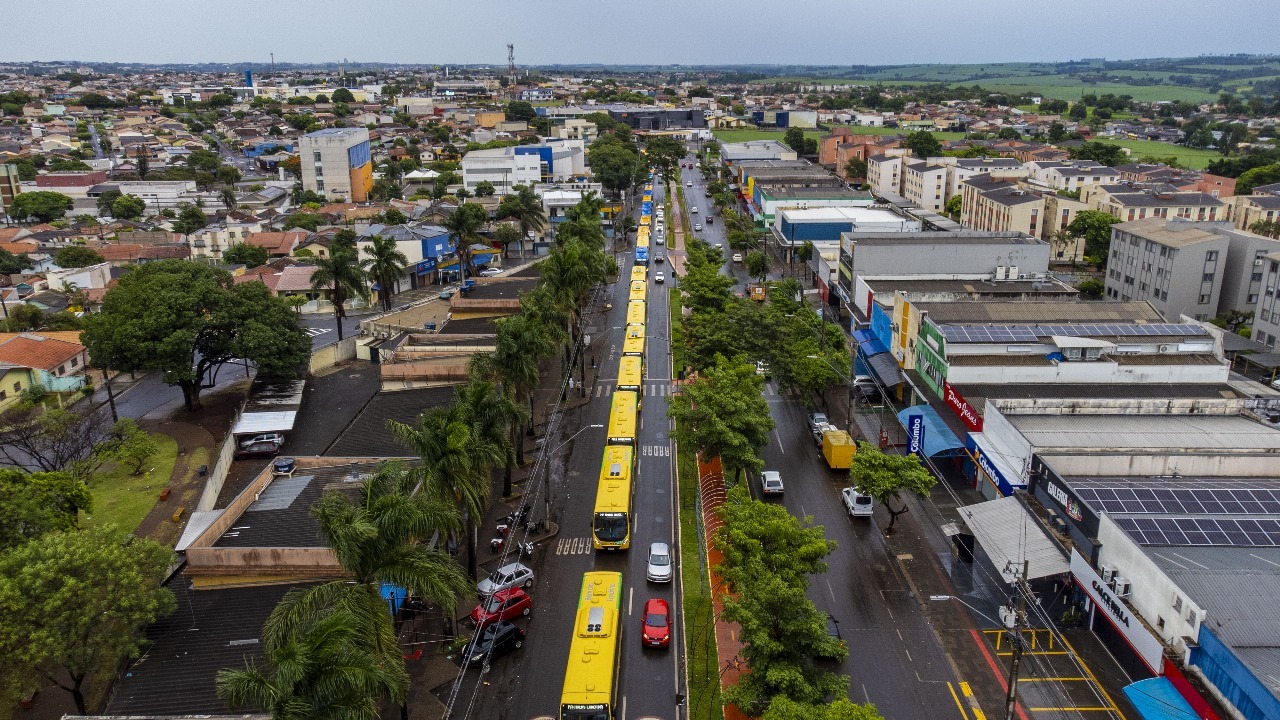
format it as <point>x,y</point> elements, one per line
<point>394,595</point>
<point>938,438</point>
<point>1157,699</point>
<point>868,343</point>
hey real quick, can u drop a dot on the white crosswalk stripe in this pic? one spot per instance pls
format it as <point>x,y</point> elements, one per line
<point>573,546</point>
<point>312,331</point>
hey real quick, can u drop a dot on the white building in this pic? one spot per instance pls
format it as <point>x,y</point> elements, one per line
<point>501,167</point>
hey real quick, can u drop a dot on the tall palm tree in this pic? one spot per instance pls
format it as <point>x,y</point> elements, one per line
<point>320,671</point>
<point>464,229</point>
<point>519,346</point>
<point>384,265</point>
<point>342,276</point>
<point>496,417</point>
<point>455,463</point>
<point>525,207</point>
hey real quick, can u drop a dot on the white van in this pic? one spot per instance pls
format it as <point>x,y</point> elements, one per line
<point>857,504</point>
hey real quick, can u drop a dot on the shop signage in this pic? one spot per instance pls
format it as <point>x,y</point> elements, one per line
<point>1146,646</point>
<point>1067,502</point>
<point>915,434</point>
<point>961,407</point>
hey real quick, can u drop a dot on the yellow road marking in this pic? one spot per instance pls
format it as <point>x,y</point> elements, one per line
<point>1053,679</point>
<point>964,688</point>
<point>1089,671</point>
<point>955,697</point>
<point>1070,709</point>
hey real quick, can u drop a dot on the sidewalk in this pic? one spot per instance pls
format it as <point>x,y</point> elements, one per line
<point>728,647</point>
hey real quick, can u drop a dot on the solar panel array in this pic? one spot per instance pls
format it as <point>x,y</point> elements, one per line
<point>1202,531</point>
<point>1032,333</point>
<point>1178,501</point>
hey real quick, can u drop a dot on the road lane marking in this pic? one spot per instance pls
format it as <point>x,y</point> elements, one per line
<point>573,546</point>
<point>779,437</point>
<point>631,595</point>
<point>955,697</point>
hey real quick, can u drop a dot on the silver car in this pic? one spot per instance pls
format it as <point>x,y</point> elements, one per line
<point>507,576</point>
<point>659,566</point>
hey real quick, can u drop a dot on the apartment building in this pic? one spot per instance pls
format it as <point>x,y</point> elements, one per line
<point>961,169</point>
<point>501,167</point>
<point>336,163</point>
<point>1245,210</point>
<point>1072,175</point>
<point>1266,318</point>
<point>9,186</point>
<point>884,172</point>
<point>1175,265</point>
<point>1130,202</point>
<point>576,129</point>
<point>925,185</point>
<point>996,204</point>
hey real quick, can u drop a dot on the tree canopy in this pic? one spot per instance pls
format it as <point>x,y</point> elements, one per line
<point>247,254</point>
<point>723,413</point>
<point>77,256</point>
<point>1095,227</point>
<point>885,477</point>
<point>33,504</point>
<point>923,144</point>
<point>40,205</point>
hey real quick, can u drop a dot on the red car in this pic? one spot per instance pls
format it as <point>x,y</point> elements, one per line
<point>656,631</point>
<point>502,605</point>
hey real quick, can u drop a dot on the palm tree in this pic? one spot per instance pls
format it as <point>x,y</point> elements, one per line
<point>342,276</point>
<point>320,671</point>
<point>228,197</point>
<point>384,265</point>
<point>525,208</point>
<point>464,229</point>
<point>571,271</point>
<point>455,463</point>
<point>496,417</point>
<point>519,346</point>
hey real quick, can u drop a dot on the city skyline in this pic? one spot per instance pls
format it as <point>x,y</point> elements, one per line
<point>662,32</point>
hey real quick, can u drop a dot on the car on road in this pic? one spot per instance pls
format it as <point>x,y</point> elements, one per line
<point>857,504</point>
<point>277,438</point>
<point>507,576</point>
<point>737,257</point>
<point>490,272</point>
<point>688,183</point>
<point>657,240</point>
<point>771,482</point>
<point>655,625</point>
<point>658,568</point>
<point>870,394</point>
<point>502,605</point>
<point>816,419</point>
<point>659,257</point>
<point>659,277</point>
<point>833,632</point>
<point>693,210</point>
<point>494,642</point>
<point>697,226</point>
<point>762,369</point>
<point>258,450</point>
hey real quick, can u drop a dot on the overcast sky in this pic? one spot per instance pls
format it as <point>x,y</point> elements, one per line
<point>835,32</point>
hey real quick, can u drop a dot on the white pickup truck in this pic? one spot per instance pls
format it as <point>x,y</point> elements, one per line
<point>857,504</point>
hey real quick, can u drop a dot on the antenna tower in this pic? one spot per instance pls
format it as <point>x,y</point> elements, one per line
<point>273,63</point>
<point>511,68</point>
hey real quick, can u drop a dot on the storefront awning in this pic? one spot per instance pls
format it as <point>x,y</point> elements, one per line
<point>938,438</point>
<point>1157,699</point>
<point>1009,534</point>
<point>885,367</point>
<point>253,423</point>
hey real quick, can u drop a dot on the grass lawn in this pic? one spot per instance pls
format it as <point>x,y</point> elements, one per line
<point>703,665</point>
<point>1187,157</point>
<point>123,499</point>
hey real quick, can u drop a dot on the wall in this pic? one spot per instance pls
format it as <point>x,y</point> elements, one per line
<point>218,473</point>
<point>1233,679</point>
<point>943,258</point>
<point>1123,463</point>
<point>331,355</point>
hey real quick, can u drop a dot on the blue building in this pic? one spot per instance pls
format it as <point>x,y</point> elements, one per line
<point>267,147</point>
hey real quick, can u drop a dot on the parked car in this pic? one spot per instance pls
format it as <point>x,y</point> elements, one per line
<point>833,632</point>
<point>737,257</point>
<point>659,277</point>
<point>816,419</point>
<point>490,272</point>
<point>697,226</point>
<point>494,642</point>
<point>659,564</point>
<point>277,438</point>
<point>1275,384</point>
<point>771,482</point>
<point>655,628</point>
<point>857,504</point>
<point>507,576</point>
<point>258,450</point>
<point>502,605</point>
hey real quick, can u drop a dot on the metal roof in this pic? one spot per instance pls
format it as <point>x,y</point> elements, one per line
<point>1178,433</point>
<point>1009,534</point>
<point>1237,587</point>
<point>264,422</point>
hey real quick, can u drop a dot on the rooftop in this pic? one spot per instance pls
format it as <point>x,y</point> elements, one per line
<point>1171,233</point>
<point>958,237</point>
<point>1172,433</point>
<point>36,351</point>
<point>1049,311</point>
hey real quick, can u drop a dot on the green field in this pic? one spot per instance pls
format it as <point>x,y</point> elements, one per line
<point>123,499</point>
<point>1187,157</point>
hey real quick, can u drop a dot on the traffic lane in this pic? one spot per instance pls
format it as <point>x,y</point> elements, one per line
<point>323,328</point>
<point>893,662</point>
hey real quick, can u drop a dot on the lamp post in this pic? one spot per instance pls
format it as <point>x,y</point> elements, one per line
<point>546,477</point>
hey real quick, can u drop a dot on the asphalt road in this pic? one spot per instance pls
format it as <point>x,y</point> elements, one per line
<point>527,683</point>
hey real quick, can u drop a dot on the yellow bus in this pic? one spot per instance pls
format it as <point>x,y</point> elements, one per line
<point>639,291</point>
<point>633,342</point>
<point>591,678</point>
<point>631,374</point>
<point>636,312</point>
<point>639,272</point>
<point>611,524</point>
<point>622,418</point>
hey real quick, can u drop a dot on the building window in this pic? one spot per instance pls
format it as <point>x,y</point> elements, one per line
<point>1253,298</point>
<point>1204,300</point>
<point>1207,277</point>
<point>1211,256</point>
<point>17,387</point>
<point>1159,622</point>
<point>315,155</point>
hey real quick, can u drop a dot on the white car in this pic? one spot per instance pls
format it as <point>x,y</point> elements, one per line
<point>737,257</point>
<point>857,504</point>
<point>1275,384</point>
<point>693,210</point>
<point>771,482</point>
<point>659,277</point>
<point>659,240</point>
<point>277,438</point>
<point>697,226</point>
<point>507,576</point>
<point>490,272</point>
<point>688,183</point>
<point>659,564</point>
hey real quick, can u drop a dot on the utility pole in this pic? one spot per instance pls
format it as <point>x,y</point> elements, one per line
<point>1019,623</point>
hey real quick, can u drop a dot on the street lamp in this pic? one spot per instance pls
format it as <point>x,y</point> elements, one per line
<point>546,478</point>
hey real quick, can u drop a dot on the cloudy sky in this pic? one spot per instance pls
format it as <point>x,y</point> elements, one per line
<point>835,32</point>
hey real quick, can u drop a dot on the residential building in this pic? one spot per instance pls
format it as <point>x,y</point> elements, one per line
<point>1181,179</point>
<point>1245,210</point>
<point>278,244</point>
<point>1266,318</point>
<point>885,171</point>
<point>336,163</point>
<point>56,365</point>
<point>1072,175</point>
<point>996,204</point>
<point>965,253</point>
<point>576,129</point>
<point>9,186</point>
<point>501,167</point>
<point>961,169</point>
<point>1129,202</point>
<point>1177,266</point>
<point>157,194</point>
<point>925,185</point>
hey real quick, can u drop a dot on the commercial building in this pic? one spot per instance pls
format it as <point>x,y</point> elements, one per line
<point>643,119</point>
<point>735,153</point>
<point>769,200</point>
<point>785,118</point>
<point>506,167</point>
<point>1187,268</point>
<point>336,163</point>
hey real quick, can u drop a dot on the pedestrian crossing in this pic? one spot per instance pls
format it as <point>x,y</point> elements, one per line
<point>314,331</point>
<point>573,546</point>
<point>605,388</point>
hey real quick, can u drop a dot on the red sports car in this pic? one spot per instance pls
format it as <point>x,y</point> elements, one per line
<point>502,605</point>
<point>657,624</point>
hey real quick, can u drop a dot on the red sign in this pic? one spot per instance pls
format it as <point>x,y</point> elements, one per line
<point>963,410</point>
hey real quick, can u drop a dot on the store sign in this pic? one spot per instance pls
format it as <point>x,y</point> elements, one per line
<point>915,434</point>
<point>1146,646</point>
<point>1067,502</point>
<point>961,407</point>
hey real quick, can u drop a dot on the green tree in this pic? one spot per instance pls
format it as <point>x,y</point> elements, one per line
<point>386,189</point>
<point>525,207</point>
<point>616,166</point>
<point>205,160</point>
<point>784,708</point>
<point>190,219</point>
<point>304,220</point>
<point>33,504</point>
<point>1057,132</point>
<point>496,416</point>
<point>520,344</point>
<point>50,439</point>
<point>128,207</point>
<point>519,110</point>
<point>143,164</point>
<point>76,603</point>
<point>77,256</point>
<point>885,477</point>
<point>1095,227</point>
<point>247,254</point>
<point>664,153</point>
<point>1079,111</point>
<point>723,413</point>
<point>757,264</point>
<point>923,144</point>
<point>1099,152</point>
<point>130,445</point>
<point>855,169</point>
<point>1254,177</point>
<point>794,139</point>
<point>342,95</point>
<point>228,174</point>
<point>221,100</point>
<point>1091,288</point>
<point>504,235</point>
<point>40,205</point>
<point>384,265</point>
<point>106,198</point>
<point>804,254</point>
<point>186,320</point>
<point>484,188</point>
<point>342,276</point>
<point>464,227</point>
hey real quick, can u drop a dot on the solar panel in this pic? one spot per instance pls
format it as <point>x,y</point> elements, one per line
<point>1118,330</point>
<point>1188,501</point>
<point>1203,531</point>
<point>988,333</point>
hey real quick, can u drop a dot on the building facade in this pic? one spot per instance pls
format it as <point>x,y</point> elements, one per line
<point>336,163</point>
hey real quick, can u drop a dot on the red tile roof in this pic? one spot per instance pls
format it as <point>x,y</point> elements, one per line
<point>278,243</point>
<point>35,351</point>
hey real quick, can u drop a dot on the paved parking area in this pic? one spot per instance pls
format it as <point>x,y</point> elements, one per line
<point>1055,682</point>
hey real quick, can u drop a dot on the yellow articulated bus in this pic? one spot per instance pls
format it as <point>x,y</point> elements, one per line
<point>633,341</point>
<point>639,290</point>
<point>591,678</point>
<point>611,524</point>
<point>636,312</point>
<point>631,374</point>
<point>622,418</point>
<point>640,273</point>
